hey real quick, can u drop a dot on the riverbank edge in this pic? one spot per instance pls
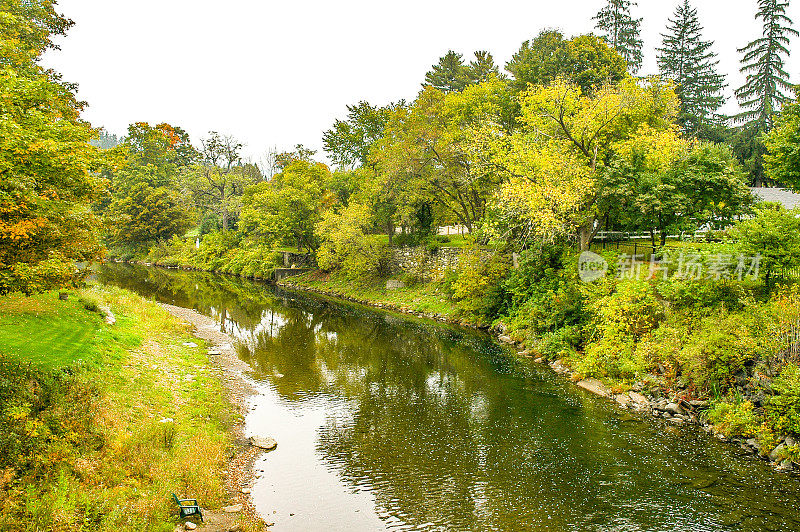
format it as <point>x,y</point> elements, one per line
<point>222,355</point>
<point>668,408</point>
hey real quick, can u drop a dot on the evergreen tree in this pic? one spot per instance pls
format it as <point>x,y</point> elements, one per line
<point>482,67</point>
<point>688,60</point>
<point>621,31</point>
<point>449,74</point>
<point>767,82</point>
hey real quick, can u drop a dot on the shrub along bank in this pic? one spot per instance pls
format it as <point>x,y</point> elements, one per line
<point>86,441</point>
<point>219,252</point>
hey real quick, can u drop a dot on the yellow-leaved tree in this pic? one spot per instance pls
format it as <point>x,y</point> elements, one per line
<point>427,155</point>
<point>554,160</point>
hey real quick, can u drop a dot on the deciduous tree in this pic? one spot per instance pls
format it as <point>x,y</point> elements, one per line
<point>220,180</point>
<point>585,60</point>
<point>146,209</point>
<point>348,142</point>
<point>782,161</point>
<point>48,170</point>
<point>565,139</point>
<point>345,244</point>
<point>161,145</point>
<point>427,151</point>
<point>660,183</point>
<point>765,235</point>
<point>286,209</point>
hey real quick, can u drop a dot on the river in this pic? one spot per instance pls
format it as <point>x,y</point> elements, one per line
<point>385,422</point>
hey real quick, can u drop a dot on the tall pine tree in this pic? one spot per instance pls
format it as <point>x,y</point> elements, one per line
<point>450,74</point>
<point>621,31</point>
<point>689,61</point>
<point>767,82</point>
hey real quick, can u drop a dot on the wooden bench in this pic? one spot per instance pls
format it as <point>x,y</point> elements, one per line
<point>188,507</point>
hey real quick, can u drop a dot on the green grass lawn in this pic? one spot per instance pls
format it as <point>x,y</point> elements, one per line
<point>48,332</point>
<point>456,241</point>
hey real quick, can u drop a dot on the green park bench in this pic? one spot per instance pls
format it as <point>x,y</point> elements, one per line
<point>188,507</point>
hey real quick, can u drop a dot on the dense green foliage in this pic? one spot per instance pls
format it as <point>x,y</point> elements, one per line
<point>766,235</point>
<point>346,247</point>
<point>450,74</point>
<point>585,60</point>
<point>782,161</point>
<point>348,141</point>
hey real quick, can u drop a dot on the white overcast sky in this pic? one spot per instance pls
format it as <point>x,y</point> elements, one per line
<point>275,74</point>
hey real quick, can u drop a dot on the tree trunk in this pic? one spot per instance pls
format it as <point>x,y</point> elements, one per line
<point>390,230</point>
<point>224,207</point>
<point>585,235</point>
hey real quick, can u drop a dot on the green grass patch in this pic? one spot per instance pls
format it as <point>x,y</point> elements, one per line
<point>48,332</point>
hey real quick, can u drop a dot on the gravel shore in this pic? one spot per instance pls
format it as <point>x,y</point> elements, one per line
<point>239,476</point>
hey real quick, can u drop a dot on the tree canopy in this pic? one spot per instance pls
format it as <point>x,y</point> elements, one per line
<point>782,161</point>
<point>348,142</point>
<point>285,210</point>
<point>450,74</point>
<point>585,60</point>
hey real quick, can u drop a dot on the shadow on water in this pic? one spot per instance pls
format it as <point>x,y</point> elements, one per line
<point>385,422</point>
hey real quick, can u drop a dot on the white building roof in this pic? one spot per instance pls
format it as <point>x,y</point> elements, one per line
<point>787,198</point>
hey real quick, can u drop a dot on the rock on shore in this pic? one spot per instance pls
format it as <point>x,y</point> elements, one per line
<point>263,442</point>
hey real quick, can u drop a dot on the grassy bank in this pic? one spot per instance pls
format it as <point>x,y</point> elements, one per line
<point>424,299</point>
<point>85,437</point>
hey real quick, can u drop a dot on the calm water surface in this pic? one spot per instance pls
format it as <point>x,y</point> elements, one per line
<point>389,423</point>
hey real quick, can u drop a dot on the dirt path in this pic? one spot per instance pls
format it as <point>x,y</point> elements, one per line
<point>239,476</point>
